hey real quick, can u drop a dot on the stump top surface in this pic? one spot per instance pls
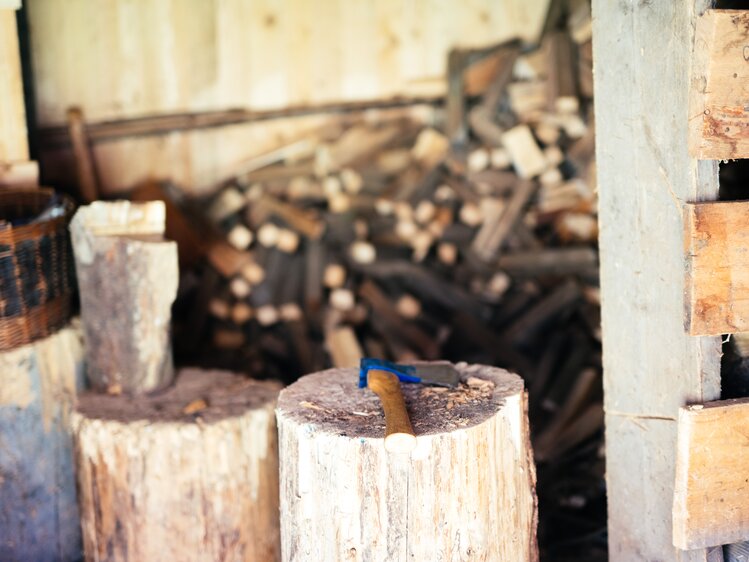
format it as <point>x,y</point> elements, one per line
<point>332,402</point>
<point>223,395</point>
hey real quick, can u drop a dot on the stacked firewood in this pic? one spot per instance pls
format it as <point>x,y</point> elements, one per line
<point>470,236</point>
<point>390,238</point>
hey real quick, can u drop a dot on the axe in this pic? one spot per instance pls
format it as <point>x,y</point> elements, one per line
<point>384,378</point>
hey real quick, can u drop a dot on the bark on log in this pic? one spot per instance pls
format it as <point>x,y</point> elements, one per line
<point>38,510</point>
<point>189,474</point>
<point>127,275</point>
<point>465,493</point>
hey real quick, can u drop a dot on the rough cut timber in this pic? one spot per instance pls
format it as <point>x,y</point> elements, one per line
<point>189,474</point>
<point>717,267</point>
<point>465,493</point>
<point>127,277</point>
<point>651,367</point>
<point>710,506</point>
<point>38,509</point>
<point>718,112</point>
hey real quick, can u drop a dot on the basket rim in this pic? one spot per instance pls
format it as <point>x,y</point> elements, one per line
<point>10,233</point>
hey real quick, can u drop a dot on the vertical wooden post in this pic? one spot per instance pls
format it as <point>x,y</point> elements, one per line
<point>14,145</point>
<point>643,54</point>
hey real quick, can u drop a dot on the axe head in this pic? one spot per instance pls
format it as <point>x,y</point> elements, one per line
<point>440,373</point>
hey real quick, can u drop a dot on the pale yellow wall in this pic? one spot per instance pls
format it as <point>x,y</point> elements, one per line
<point>13,140</point>
<point>124,58</point>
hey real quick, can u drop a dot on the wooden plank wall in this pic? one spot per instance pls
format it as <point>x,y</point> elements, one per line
<point>126,58</point>
<point>123,59</point>
<point>651,366</point>
<point>13,141</point>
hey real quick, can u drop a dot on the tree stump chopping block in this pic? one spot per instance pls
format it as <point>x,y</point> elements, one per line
<point>38,509</point>
<point>466,492</point>
<point>190,474</point>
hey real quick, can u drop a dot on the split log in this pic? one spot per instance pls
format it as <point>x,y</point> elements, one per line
<point>526,156</point>
<point>188,474</point>
<point>344,498</point>
<point>38,510</point>
<point>492,235</point>
<point>127,275</point>
<point>343,346</point>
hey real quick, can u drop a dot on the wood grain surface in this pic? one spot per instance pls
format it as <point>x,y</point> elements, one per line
<point>712,465</point>
<point>716,246</point>
<point>718,113</point>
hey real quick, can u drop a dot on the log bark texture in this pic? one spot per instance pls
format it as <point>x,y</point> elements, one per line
<point>127,275</point>
<point>466,492</point>
<point>38,510</point>
<point>190,474</point>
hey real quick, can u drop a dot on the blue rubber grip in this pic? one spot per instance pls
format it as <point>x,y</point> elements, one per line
<point>405,373</point>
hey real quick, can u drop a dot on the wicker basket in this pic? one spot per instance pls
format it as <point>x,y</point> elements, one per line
<point>36,267</point>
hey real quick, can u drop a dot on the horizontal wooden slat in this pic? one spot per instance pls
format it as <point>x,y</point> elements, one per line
<point>712,475</point>
<point>718,112</point>
<point>716,239</point>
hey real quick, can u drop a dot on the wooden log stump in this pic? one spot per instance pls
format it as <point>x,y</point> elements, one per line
<point>188,474</point>
<point>38,510</point>
<point>465,493</point>
<point>127,275</point>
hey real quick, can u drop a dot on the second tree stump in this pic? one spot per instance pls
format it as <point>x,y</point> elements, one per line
<point>467,492</point>
<point>188,474</point>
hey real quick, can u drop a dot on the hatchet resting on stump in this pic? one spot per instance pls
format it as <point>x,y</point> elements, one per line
<point>384,378</point>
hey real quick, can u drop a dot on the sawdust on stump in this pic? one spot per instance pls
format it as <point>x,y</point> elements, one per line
<point>332,402</point>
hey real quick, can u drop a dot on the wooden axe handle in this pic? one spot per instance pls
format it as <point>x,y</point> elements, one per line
<point>399,435</point>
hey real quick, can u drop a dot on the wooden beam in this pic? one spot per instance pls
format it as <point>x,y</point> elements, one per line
<point>718,113</point>
<point>712,464</point>
<point>717,268</point>
<point>651,366</point>
<point>52,137</point>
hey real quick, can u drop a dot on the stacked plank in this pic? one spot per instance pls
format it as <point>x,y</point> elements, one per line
<point>470,237</point>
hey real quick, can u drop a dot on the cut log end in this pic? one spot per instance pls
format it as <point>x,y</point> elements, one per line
<point>400,443</point>
<point>339,407</point>
<point>225,394</point>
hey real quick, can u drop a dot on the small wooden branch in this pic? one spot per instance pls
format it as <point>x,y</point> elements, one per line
<point>84,162</point>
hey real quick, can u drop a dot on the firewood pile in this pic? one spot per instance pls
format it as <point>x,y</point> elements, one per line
<point>464,233</point>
